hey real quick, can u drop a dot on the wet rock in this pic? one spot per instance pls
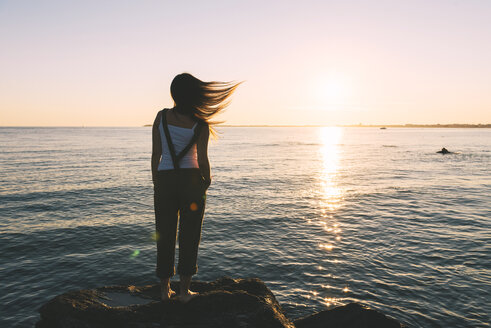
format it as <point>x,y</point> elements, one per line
<point>226,303</point>
<point>353,315</point>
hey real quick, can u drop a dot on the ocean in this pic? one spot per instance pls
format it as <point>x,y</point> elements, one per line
<point>324,216</point>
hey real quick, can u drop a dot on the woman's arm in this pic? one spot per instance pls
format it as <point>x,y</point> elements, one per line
<point>204,164</point>
<point>156,147</point>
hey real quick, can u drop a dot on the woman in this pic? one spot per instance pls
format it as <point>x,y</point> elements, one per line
<point>181,174</point>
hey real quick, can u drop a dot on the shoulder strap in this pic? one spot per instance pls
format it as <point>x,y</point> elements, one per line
<point>177,158</point>
<point>170,145</point>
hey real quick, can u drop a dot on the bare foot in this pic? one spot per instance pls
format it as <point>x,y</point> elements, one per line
<point>167,295</point>
<point>187,296</point>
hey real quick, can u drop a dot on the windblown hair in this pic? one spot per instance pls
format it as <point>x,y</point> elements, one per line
<point>201,100</point>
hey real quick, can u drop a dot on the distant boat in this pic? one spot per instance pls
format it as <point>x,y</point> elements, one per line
<point>383,128</point>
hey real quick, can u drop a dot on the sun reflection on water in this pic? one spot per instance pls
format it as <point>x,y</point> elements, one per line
<point>328,301</point>
<point>331,194</point>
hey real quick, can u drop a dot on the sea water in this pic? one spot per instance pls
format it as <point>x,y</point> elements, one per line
<point>324,216</point>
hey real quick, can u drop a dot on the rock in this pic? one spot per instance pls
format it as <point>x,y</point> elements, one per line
<point>353,315</point>
<point>226,303</point>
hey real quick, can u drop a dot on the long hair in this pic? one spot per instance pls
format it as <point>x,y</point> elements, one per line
<point>201,100</point>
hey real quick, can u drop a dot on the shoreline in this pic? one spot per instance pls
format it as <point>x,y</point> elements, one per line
<point>444,126</point>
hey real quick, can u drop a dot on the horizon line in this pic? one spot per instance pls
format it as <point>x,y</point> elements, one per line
<point>442,125</point>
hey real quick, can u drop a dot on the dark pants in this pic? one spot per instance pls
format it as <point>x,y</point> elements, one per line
<point>179,196</point>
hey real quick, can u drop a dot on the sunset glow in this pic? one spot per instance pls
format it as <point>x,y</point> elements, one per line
<point>109,63</point>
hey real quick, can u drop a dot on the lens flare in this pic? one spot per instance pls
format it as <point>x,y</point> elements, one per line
<point>155,236</point>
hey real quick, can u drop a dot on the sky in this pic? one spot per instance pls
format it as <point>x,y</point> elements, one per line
<point>110,63</point>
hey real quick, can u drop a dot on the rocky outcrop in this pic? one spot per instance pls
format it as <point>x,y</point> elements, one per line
<point>226,302</point>
<point>223,303</point>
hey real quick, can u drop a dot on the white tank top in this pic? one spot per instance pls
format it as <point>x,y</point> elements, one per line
<point>180,138</point>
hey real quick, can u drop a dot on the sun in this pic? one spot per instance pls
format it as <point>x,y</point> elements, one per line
<point>333,91</point>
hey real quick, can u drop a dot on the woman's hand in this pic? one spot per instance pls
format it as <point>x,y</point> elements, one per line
<point>204,164</point>
<point>207,183</point>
